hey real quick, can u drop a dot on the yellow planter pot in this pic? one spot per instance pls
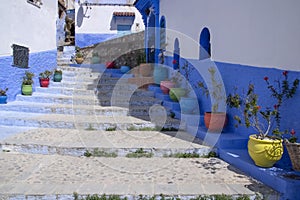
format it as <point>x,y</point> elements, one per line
<point>265,153</point>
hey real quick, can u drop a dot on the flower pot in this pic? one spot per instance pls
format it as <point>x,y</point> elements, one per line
<point>160,73</point>
<point>27,89</point>
<point>188,105</point>
<point>176,93</point>
<point>166,85</point>
<point>95,60</point>
<point>79,60</point>
<point>215,122</point>
<point>294,153</point>
<point>146,69</point>
<point>3,99</point>
<point>110,65</point>
<point>266,152</point>
<point>57,77</point>
<point>125,69</point>
<point>44,82</point>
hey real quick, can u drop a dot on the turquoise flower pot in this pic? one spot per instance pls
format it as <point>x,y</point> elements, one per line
<point>124,69</point>
<point>188,105</point>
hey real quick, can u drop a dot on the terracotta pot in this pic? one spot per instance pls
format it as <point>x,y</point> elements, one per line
<point>79,60</point>
<point>166,85</point>
<point>44,82</point>
<point>215,122</point>
<point>146,69</point>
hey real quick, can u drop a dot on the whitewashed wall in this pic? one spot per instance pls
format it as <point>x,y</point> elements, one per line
<point>25,24</point>
<point>101,16</point>
<point>251,32</point>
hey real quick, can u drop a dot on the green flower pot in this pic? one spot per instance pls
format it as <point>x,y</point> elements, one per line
<point>27,89</point>
<point>176,93</point>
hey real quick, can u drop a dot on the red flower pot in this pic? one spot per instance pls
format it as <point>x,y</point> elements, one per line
<point>166,85</point>
<point>44,82</point>
<point>110,65</point>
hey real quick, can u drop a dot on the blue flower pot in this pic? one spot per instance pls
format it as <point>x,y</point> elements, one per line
<point>160,74</point>
<point>124,69</point>
<point>188,105</point>
<point>3,99</point>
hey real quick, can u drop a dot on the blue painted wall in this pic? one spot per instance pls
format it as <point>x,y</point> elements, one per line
<point>84,40</point>
<point>234,75</point>
<point>11,77</point>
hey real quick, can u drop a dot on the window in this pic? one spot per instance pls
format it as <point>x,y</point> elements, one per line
<point>204,47</point>
<point>36,3</point>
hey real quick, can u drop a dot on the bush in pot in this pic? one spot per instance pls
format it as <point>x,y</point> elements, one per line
<point>263,148</point>
<point>3,96</point>
<point>57,75</point>
<point>214,120</point>
<point>27,83</point>
<point>45,78</point>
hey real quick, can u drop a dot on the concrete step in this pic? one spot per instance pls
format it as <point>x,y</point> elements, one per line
<point>69,109</point>
<point>116,143</point>
<point>59,99</point>
<point>98,122</point>
<point>64,91</point>
<point>31,176</point>
<point>122,101</point>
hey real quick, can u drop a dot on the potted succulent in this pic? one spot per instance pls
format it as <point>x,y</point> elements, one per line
<point>293,148</point>
<point>45,78</point>
<point>3,96</point>
<point>175,91</point>
<point>263,148</point>
<point>27,83</point>
<point>215,120</point>
<point>79,57</point>
<point>57,75</point>
<point>95,58</point>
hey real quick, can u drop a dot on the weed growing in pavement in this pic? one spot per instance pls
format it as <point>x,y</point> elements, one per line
<point>90,128</point>
<point>111,128</point>
<point>139,154</point>
<point>100,153</point>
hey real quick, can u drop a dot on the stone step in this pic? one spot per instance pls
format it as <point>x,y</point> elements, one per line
<point>98,122</point>
<point>59,99</point>
<point>111,143</point>
<point>136,93</point>
<point>32,176</point>
<point>79,74</point>
<point>64,91</point>
<point>69,109</point>
<point>123,101</point>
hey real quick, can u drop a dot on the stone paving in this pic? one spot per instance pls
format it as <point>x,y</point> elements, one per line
<point>43,146</point>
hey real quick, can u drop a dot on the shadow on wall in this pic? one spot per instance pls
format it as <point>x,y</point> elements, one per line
<point>11,77</point>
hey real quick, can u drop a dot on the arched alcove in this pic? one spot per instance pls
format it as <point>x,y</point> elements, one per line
<point>176,54</point>
<point>204,42</point>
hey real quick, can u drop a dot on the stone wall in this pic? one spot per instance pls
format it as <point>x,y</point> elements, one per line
<point>126,50</point>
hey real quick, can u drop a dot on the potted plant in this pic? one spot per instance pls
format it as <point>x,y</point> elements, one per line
<point>3,96</point>
<point>215,120</point>
<point>175,91</point>
<point>79,57</point>
<point>57,75</point>
<point>45,78</point>
<point>293,148</point>
<point>95,58</point>
<point>263,148</point>
<point>27,83</point>
<point>188,104</point>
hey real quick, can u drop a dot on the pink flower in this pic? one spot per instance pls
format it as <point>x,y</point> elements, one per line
<point>293,132</point>
<point>266,78</point>
<point>276,106</point>
<point>174,62</point>
<point>285,73</point>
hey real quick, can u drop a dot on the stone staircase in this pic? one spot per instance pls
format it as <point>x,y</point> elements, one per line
<point>80,135</point>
